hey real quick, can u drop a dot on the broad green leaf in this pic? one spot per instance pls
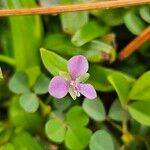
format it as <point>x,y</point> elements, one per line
<point>62,104</point>
<point>29,102</point>
<point>134,23</point>
<point>145,13</point>
<point>101,140</point>
<point>33,73</point>
<point>55,130</point>
<point>122,86</point>
<point>140,111</point>
<point>112,17</point>
<point>41,85</point>
<point>19,83</point>
<point>71,22</point>
<point>7,146</point>
<point>53,62</point>
<point>26,34</point>
<point>116,111</point>
<point>77,117</point>
<point>95,109</point>
<point>77,138</point>
<point>1,75</point>
<point>20,118</point>
<point>24,141</point>
<point>88,32</point>
<point>97,51</point>
<point>141,88</point>
<point>98,78</point>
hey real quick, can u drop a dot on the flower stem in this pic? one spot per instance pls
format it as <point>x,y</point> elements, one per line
<point>72,8</point>
<point>7,60</point>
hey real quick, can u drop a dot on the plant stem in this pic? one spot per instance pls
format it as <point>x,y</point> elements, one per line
<point>135,44</point>
<point>7,60</point>
<point>72,8</point>
<point>124,122</point>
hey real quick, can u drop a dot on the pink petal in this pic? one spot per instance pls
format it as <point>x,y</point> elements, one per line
<point>87,90</point>
<point>58,87</point>
<point>77,66</point>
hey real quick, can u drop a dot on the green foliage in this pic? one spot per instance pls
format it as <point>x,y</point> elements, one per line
<point>141,88</point>
<point>29,102</point>
<point>101,140</point>
<point>87,33</point>
<point>19,83</point>
<point>145,13</point>
<point>95,109</point>
<point>53,62</point>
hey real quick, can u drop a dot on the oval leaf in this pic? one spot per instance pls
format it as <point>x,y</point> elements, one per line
<point>29,102</point>
<point>101,140</point>
<point>95,109</point>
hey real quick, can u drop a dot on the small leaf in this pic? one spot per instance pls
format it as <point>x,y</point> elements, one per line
<point>88,32</point>
<point>23,140</point>
<point>145,13</point>
<point>77,138</point>
<point>141,88</point>
<point>19,83</point>
<point>29,102</point>
<point>95,109</point>
<point>122,86</point>
<point>55,130</point>
<point>115,111</point>
<point>41,85</point>
<point>134,23</point>
<point>140,111</point>
<point>101,140</point>
<point>76,117</point>
<point>73,21</point>
<point>33,73</point>
<point>83,78</point>
<point>62,104</point>
<point>53,62</point>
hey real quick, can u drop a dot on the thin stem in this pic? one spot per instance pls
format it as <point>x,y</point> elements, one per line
<point>72,8</point>
<point>7,60</point>
<point>135,44</point>
<point>124,122</point>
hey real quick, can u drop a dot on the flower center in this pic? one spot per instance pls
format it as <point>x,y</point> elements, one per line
<point>73,86</point>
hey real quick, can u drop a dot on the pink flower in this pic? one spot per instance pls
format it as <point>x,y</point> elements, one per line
<point>72,82</point>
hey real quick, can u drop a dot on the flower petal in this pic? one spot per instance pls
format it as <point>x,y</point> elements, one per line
<point>77,66</point>
<point>87,90</point>
<point>58,87</point>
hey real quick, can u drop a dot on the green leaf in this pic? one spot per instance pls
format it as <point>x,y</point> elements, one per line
<point>134,23</point>
<point>98,78</point>
<point>19,83</point>
<point>77,117</point>
<point>95,109</point>
<point>101,140</point>
<point>62,104</point>
<point>88,32</point>
<point>1,75</point>
<point>145,13</point>
<point>41,85</point>
<point>33,73</point>
<point>53,62</point>
<point>7,146</point>
<point>140,111</point>
<point>115,111</point>
<point>122,85</point>
<point>141,88</point>
<point>26,35</point>
<point>24,140</point>
<point>71,22</point>
<point>29,102</point>
<point>97,51</point>
<point>77,138</point>
<point>55,130</point>
<point>22,119</point>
